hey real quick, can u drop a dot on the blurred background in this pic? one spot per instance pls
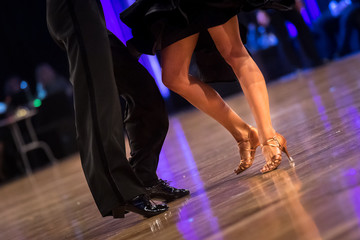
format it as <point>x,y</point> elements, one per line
<point>36,96</point>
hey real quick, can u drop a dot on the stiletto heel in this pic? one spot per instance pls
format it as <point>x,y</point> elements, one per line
<point>283,143</point>
<point>247,148</point>
<point>291,160</point>
<point>279,142</point>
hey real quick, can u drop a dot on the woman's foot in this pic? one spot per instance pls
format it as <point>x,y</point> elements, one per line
<point>271,150</point>
<point>247,148</point>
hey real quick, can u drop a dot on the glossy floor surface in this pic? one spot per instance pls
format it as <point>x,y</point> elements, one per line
<point>318,111</point>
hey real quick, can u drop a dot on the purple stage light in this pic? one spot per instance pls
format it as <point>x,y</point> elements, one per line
<point>313,8</point>
<point>112,9</point>
<point>291,29</point>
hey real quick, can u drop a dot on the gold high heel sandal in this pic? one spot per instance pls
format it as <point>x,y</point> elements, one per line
<point>279,142</point>
<point>247,149</point>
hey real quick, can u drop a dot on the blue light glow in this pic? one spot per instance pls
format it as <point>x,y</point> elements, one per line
<point>164,168</point>
<point>305,16</point>
<point>3,107</point>
<point>350,114</point>
<point>312,8</point>
<point>320,106</point>
<point>350,179</point>
<point>156,70</point>
<point>41,92</point>
<point>23,85</point>
<point>350,172</point>
<point>188,227</point>
<point>354,115</point>
<point>129,2</point>
<point>291,29</point>
<point>355,197</point>
<point>350,117</point>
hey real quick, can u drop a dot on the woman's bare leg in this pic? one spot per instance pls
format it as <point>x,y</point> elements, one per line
<point>175,61</point>
<point>228,42</point>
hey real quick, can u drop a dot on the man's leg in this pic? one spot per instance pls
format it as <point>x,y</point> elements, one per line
<point>146,120</point>
<point>77,24</point>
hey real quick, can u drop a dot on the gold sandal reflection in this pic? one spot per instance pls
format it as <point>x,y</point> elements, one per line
<point>280,197</point>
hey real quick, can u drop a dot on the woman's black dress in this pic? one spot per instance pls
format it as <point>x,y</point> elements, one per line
<point>156,24</point>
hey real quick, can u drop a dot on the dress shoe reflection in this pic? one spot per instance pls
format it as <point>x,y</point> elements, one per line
<point>288,192</point>
<point>141,205</point>
<point>160,222</point>
<point>172,218</point>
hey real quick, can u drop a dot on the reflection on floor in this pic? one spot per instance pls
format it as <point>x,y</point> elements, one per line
<point>319,113</point>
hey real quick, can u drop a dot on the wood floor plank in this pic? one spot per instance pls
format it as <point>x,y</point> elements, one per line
<point>318,111</point>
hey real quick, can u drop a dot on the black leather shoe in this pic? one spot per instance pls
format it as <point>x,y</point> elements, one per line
<point>164,191</point>
<point>140,205</point>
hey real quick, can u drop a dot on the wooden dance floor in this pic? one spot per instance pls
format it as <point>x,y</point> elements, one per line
<point>319,113</point>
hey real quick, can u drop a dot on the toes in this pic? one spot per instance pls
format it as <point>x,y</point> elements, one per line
<point>242,167</point>
<point>269,167</point>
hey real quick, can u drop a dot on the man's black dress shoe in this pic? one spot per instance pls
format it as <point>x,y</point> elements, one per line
<point>163,190</point>
<point>140,205</point>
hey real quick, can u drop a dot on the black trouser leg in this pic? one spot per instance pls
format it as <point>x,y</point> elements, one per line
<point>146,119</point>
<point>78,25</point>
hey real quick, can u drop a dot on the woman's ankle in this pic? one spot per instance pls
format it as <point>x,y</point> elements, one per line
<point>242,133</point>
<point>266,135</point>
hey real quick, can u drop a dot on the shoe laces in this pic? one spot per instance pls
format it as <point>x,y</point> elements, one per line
<point>165,182</point>
<point>148,199</point>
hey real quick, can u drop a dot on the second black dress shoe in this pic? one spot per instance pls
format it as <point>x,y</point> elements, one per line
<point>163,190</point>
<point>141,205</point>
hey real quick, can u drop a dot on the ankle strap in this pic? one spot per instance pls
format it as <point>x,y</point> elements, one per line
<point>242,141</point>
<point>268,142</point>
